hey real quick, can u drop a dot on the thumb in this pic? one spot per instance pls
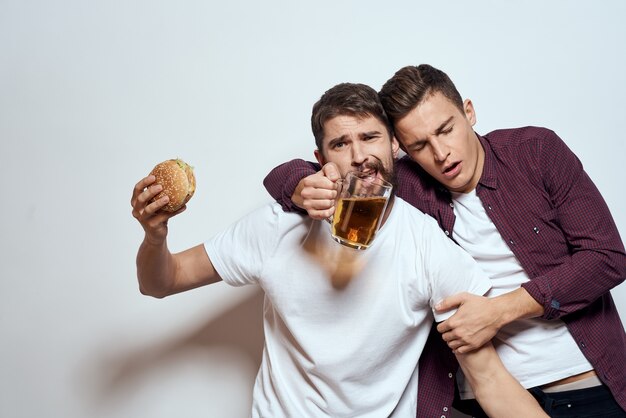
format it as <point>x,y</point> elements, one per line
<point>451,302</point>
<point>331,171</point>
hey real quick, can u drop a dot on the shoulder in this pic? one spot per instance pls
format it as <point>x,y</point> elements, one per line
<point>527,145</point>
<point>412,220</point>
<point>528,136</point>
<point>268,218</point>
<point>401,208</point>
<point>412,180</point>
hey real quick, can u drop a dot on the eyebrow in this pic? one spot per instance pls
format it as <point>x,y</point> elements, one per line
<point>336,140</point>
<point>443,125</point>
<point>371,133</point>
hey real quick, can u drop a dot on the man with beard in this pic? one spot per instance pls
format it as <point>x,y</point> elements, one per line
<point>343,328</point>
<point>520,203</point>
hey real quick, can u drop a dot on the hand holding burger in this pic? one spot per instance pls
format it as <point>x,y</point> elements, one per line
<point>178,182</point>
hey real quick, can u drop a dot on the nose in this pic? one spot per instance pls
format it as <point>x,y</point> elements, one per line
<point>358,154</point>
<point>440,151</point>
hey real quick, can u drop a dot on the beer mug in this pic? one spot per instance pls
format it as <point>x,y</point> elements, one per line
<point>359,209</point>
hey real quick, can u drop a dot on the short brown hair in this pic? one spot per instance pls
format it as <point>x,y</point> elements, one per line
<point>351,99</point>
<point>411,85</point>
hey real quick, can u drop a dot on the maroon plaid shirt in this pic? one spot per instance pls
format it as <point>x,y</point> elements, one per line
<point>557,224</point>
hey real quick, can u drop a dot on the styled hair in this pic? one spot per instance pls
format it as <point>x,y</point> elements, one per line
<point>347,99</point>
<point>411,85</point>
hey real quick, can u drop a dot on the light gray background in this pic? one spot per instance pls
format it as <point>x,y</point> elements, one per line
<point>93,94</point>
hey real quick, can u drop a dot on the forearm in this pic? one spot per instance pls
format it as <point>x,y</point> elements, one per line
<point>156,269</point>
<point>497,391</point>
<point>574,285</point>
<point>515,305</point>
<point>282,181</point>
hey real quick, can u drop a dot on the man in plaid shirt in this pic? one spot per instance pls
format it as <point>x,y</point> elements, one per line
<point>519,201</point>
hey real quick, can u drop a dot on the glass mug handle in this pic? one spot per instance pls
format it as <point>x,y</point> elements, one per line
<point>338,188</point>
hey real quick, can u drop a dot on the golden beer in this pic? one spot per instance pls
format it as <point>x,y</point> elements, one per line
<point>356,220</point>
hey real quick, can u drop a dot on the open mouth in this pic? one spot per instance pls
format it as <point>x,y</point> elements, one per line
<point>370,173</point>
<point>451,168</point>
<point>370,170</point>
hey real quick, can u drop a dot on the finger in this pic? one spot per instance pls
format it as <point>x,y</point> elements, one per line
<point>451,302</point>
<point>464,349</point>
<point>451,336</point>
<point>144,201</point>
<point>320,182</point>
<point>316,193</point>
<point>151,192</point>
<point>141,186</point>
<point>155,206</point>
<point>321,214</point>
<point>320,205</point>
<point>455,345</point>
<point>331,171</point>
<point>444,327</point>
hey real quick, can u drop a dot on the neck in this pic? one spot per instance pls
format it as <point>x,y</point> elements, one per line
<point>480,163</point>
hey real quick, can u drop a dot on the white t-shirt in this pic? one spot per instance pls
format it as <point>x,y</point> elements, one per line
<point>344,328</point>
<point>536,351</point>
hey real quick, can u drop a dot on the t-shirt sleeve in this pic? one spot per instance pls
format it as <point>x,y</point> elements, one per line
<point>449,269</point>
<point>240,252</point>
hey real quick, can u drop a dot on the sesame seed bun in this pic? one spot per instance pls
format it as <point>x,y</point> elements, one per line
<point>178,182</point>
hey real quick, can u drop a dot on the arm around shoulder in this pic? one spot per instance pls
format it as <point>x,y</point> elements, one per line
<point>282,181</point>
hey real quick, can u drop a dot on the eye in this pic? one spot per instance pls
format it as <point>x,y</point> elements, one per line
<point>338,145</point>
<point>418,146</point>
<point>447,131</point>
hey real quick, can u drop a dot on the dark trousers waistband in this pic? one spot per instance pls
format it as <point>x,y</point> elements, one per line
<point>590,402</point>
<point>594,402</point>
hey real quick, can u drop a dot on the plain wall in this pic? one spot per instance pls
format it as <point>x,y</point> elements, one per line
<point>94,94</point>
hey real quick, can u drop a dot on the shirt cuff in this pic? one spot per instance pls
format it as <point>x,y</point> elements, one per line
<point>541,293</point>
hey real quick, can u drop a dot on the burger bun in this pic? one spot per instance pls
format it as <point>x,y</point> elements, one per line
<point>178,182</point>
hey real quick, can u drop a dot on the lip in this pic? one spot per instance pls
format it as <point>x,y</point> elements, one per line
<point>370,173</point>
<point>454,171</point>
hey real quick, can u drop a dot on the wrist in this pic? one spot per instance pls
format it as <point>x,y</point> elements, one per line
<point>517,304</point>
<point>153,241</point>
<point>296,197</point>
<point>503,315</point>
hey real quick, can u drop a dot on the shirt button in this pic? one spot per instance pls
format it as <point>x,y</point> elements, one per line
<point>450,375</point>
<point>445,409</point>
<point>451,204</point>
<point>489,207</point>
<point>536,230</point>
<point>443,416</point>
<point>447,233</point>
<point>511,242</point>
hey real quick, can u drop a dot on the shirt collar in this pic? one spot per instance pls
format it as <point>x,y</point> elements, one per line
<point>488,178</point>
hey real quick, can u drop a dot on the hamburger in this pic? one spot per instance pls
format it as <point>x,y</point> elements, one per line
<point>178,182</point>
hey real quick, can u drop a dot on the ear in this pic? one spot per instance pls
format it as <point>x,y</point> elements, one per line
<point>470,114</point>
<point>395,147</point>
<point>319,157</point>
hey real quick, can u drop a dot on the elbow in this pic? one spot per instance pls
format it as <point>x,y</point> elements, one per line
<point>153,292</point>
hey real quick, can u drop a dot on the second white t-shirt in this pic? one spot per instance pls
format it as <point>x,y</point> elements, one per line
<point>535,351</point>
